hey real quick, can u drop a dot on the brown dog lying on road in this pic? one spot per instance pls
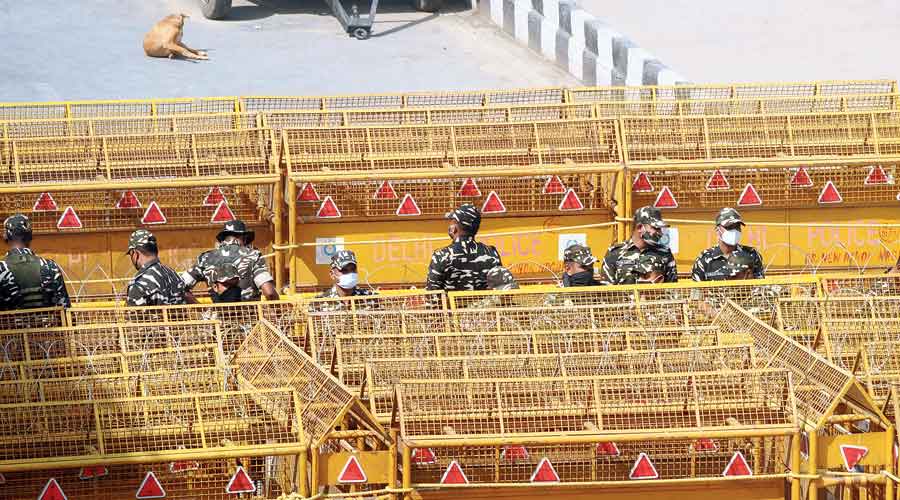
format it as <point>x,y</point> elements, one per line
<point>164,39</point>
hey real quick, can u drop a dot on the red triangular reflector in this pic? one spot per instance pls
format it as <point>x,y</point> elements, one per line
<point>423,456</point>
<point>705,444</point>
<point>830,194</point>
<point>150,487</point>
<point>214,197</point>
<point>153,215</point>
<point>642,184</point>
<point>385,192</point>
<point>240,482</point>
<point>183,466</point>
<point>571,201</point>
<point>469,189</point>
<point>69,220</point>
<point>608,449</point>
<point>222,213</point>
<point>408,207</point>
<point>128,200</point>
<point>493,204</point>
<point>308,193</point>
<point>876,176</point>
<point>852,455</point>
<point>44,203</point>
<point>52,491</point>
<point>328,209</point>
<point>554,185</point>
<point>801,179</point>
<point>544,472</point>
<point>749,197</point>
<point>643,468</point>
<point>717,181</point>
<point>513,453</point>
<point>665,199</point>
<point>454,474</point>
<point>352,472</point>
<point>737,466</point>
<point>94,472</point>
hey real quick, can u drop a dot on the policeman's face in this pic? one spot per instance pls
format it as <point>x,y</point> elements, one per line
<point>336,273</point>
<point>135,259</point>
<point>453,230</point>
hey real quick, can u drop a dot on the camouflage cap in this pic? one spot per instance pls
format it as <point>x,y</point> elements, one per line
<point>579,254</point>
<point>17,225</point>
<point>499,278</point>
<point>651,216</point>
<point>342,258</point>
<point>467,216</point>
<point>728,217</point>
<point>142,239</point>
<point>235,228</point>
<point>224,272</point>
<point>650,262</point>
<point>737,263</point>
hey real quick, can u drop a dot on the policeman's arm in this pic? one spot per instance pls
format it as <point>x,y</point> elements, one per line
<point>697,273</point>
<point>436,272</point>
<point>189,297</point>
<point>9,289</point>
<point>758,270</point>
<point>136,295</point>
<point>671,270</point>
<point>193,275</point>
<point>608,270</point>
<point>263,279</point>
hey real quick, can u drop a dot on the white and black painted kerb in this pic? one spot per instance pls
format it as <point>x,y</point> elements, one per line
<point>587,47</point>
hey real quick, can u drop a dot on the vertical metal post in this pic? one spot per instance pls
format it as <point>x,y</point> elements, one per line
<point>407,472</point>
<point>795,466</point>
<point>813,489</point>
<point>292,236</point>
<point>302,484</point>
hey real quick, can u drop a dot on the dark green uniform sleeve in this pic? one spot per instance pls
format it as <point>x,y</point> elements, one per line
<point>759,271</point>
<point>437,270</point>
<point>671,269</point>
<point>59,296</point>
<point>698,273</point>
<point>9,289</point>
<point>610,266</point>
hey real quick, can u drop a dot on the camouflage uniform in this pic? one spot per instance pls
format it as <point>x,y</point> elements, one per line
<point>225,274</point>
<point>582,256</point>
<point>9,290</point>
<point>48,288</point>
<point>498,278</point>
<point>712,264</point>
<point>622,258</point>
<point>154,284</point>
<point>649,263</point>
<point>249,262</point>
<point>463,265</point>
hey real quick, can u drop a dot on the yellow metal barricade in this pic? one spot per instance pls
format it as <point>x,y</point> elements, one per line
<point>127,125</point>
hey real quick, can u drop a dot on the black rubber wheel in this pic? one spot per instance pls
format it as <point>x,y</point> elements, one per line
<point>215,9</point>
<point>361,33</point>
<point>428,5</point>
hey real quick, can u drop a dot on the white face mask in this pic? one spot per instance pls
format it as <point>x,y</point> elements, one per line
<point>348,281</point>
<point>731,237</point>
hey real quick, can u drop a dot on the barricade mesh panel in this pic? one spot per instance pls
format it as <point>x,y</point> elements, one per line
<point>512,195</point>
<point>129,125</point>
<point>757,106</point>
<point>97,109</point>
<point>737,91</point>
<point>368,149</point>
<point>135,157</point>
<point>47,317</point>
<point>490,407</point>
<point>857,285</point>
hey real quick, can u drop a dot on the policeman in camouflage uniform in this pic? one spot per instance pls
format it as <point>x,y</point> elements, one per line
<point>647,237</point>
<point>30,281</point>
<point>223,283</point>
<point>651,268</point>
<point>234,247</point>
<point>578,262</point>
<point>498,278</point>
<point>345,276</point>
<point>711,265</point>
<point>154,284</point>
<point>462,265</point>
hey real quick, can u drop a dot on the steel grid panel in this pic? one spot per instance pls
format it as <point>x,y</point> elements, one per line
<point>355,149</point>
<point>735,91</point>
<point>862,285</point>
<point>183,207</point>
<point>662,402</point>
<point>574,463</point>
<point>236,319</point>
<point>45,317</point>
<point>127,125</point>
<point>534,296</point>
<point>136,157</point>
<point>519,195</point>
<point>113,108</point>
<point>383,373</point>
<point>122,427</point>
<point>201,480</point>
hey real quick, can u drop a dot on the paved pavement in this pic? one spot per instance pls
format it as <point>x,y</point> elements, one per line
<point>764,40</point>
<point>65,49</point>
